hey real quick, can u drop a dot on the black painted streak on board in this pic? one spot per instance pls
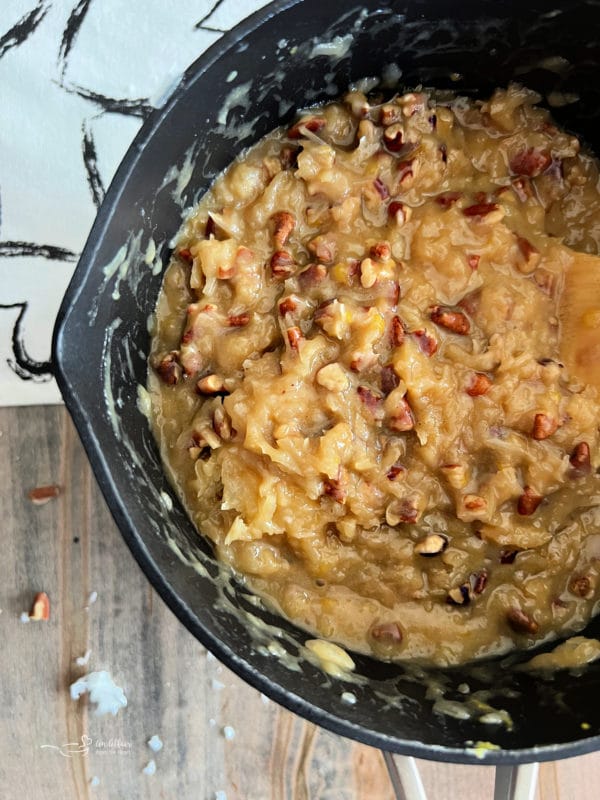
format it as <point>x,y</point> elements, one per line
<point>16,249</point>
<point>209,29</point>
<point>200,23</point>
<point>90,161</point>
<point>74,23</point>
<point>139,107</point>
<point>23,29</point>
<point>27,368</point>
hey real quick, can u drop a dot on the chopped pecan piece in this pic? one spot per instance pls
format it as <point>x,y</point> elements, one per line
<point>390,114</point>
<point>396,472</point>
<point>521,622</point>
<point>473,261</point>
<point>284,225</point>
<point>397,332</point>
<point>359,105</point>
<point>399,212</point>
<point>544,426</point>
<point>381,251</point>
<point>393,137</point>
<point>545,280</point>
<point>371,401</point>
<point>289,157</point>
<point>479,581</point>
<point>413,103</point>
<point>581,586</point>
<point>406,173</point>
<point>387,633</point>
<point>401,511</point>
<point>383,190</point>
<point>389,379</point>
<point>480,209</point>
<point>448,199</point>
<point>402,418</point>
<point>206,437</point>
<point>185,254</point>
<point>479,385</point>
<point>432,545</point>
<point>312,275</point>
<point>369,273</point>
<point>473,502</point>
<point>460,595</point>
<point>530,256</point>
<point>332,316</point>
<point>211,384</point>
<point>333,488</point>
<point>287,305</point>
<point>580,460</point>
<point>530,162</point>
<point>452,320</point>
<point>238,320</point>
<point>508,556</point>
<point>312,124</point>
<point>40,609</point>
<point>455,474</point>
<point>528,502</point>
<point>222,424</point>
<point>43,494</point>
<point>295,336</point>
<point>323,249</point>
<point>522,188</point>
<point>169,368</point>
<point>393,293</point>
<point>282,264</point>
<point>427,343</point>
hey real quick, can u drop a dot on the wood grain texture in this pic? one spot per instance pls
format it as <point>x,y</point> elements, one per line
<point>70,548</point>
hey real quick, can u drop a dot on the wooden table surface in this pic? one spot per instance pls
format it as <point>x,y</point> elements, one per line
<point>222,739</point>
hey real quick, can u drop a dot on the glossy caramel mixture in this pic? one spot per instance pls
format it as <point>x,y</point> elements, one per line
<point>356,384</point>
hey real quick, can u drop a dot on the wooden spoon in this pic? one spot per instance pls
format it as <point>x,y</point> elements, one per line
<point>579,313</point>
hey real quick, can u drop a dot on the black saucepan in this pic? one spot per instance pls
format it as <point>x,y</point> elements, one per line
<point>283,57</point>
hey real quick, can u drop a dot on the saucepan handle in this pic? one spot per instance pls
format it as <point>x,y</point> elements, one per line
<point>405,777</point>
<point>511,783</point>
<point>516,783</point>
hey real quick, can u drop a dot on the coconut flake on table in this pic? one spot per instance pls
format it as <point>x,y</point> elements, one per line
<point>150,767</point>
<point>155,743</point>
<point>92,597</point>
<point>229,732</point>
<point>95,781</point>
<point>81,661</point>
<point>103,691</point>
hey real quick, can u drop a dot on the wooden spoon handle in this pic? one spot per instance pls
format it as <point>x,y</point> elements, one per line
<point>580,318</point>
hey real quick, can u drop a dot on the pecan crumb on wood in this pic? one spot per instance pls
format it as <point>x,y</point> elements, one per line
<point>42,494</point>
